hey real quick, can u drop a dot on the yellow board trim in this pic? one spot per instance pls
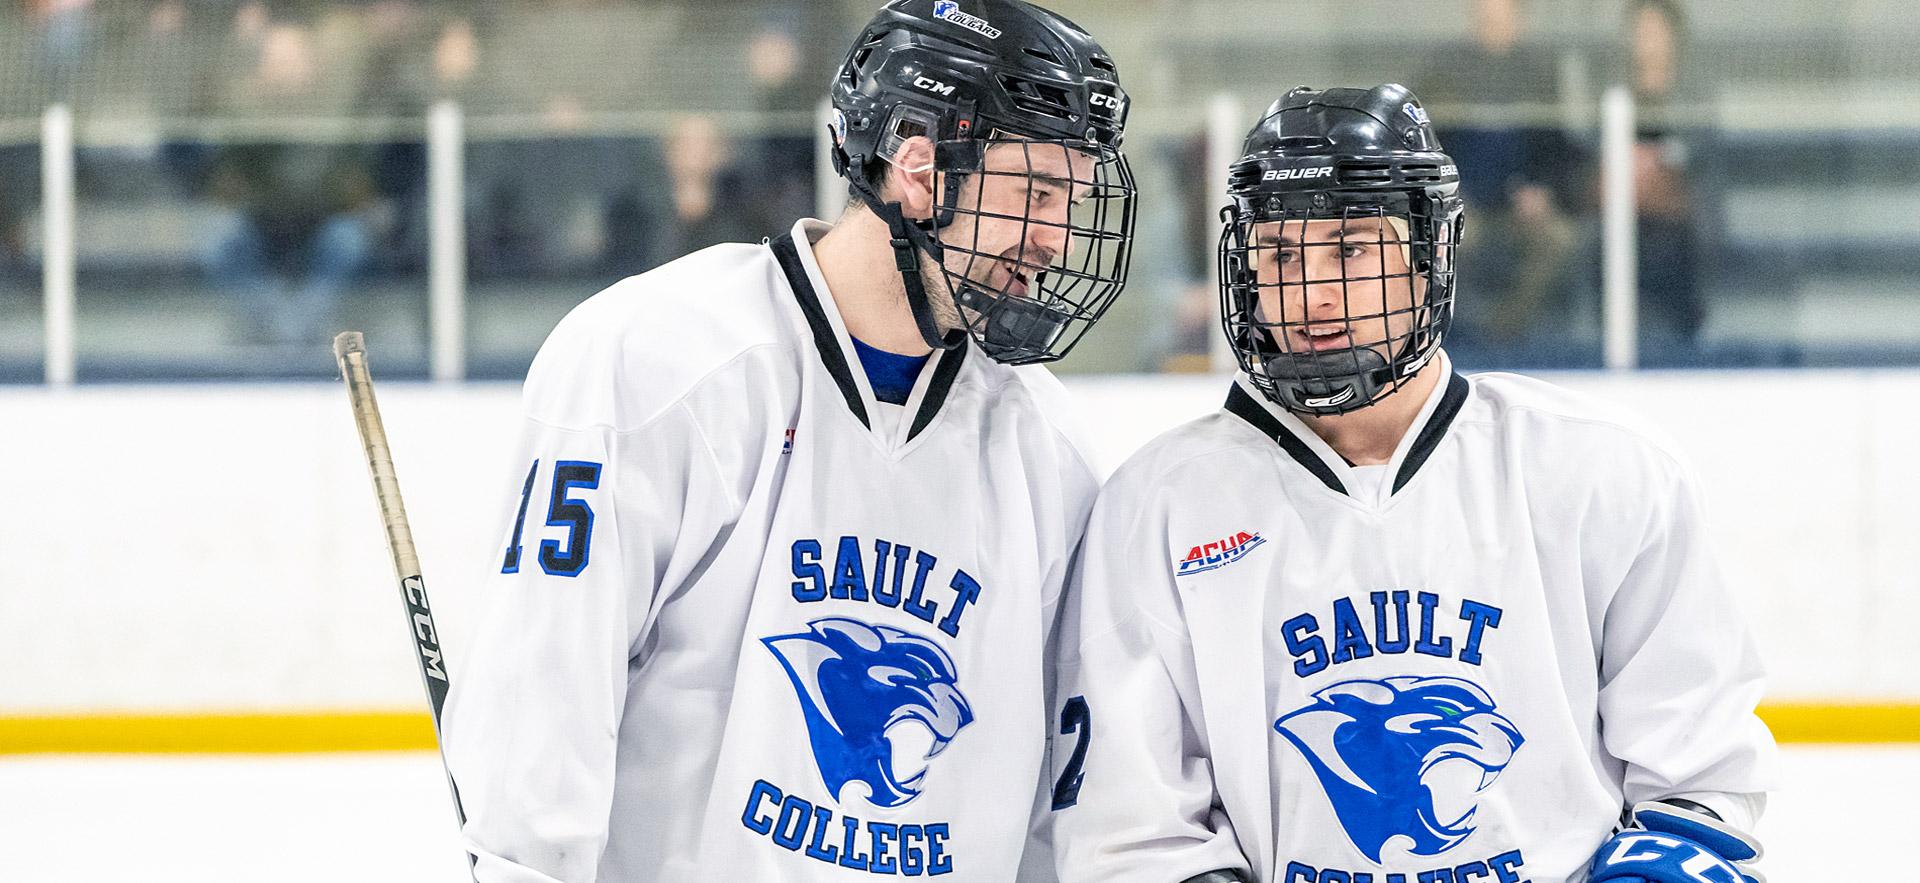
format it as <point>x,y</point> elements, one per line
<point>1793,723</point>
<point>217,733</point>
<point>1840,723</point>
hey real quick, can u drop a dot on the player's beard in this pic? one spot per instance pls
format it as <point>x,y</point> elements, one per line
<point>933,279</point>
<point>938,283</point>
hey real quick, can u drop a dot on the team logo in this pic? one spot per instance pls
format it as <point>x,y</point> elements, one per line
<point>1404,758</point>
<point>880,704</point>
<point>1296,174</point>
<point>1218,553</point>
<point>1416,113</point>
<point>948,10</point>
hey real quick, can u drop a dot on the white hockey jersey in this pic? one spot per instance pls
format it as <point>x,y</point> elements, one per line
<point>749,623</point>
<point>1456,667</point>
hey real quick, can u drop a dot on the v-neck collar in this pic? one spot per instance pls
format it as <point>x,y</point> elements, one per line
<point>1319,458</point>
<point>835,345</point>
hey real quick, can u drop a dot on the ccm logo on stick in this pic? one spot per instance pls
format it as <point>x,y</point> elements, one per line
<point>1296,174</point>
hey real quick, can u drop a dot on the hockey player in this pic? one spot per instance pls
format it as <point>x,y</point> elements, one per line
<point>1377,622</point>
<point>774,602</point>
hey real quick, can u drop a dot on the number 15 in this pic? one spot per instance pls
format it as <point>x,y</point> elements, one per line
<point>563,510</point>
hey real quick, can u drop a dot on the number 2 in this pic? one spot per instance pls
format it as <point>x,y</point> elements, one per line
<point>1075,717</point>
<point>563,510</point>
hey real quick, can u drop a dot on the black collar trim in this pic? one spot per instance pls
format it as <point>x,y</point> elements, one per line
<point>824,340</point>
<point>939,386</point>
<point>1241,405</point>
<point>1436,428</point>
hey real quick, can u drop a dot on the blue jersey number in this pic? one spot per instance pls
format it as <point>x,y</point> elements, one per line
<point>512,564</point>
<point>1074,718</point>
<point>563,510</point>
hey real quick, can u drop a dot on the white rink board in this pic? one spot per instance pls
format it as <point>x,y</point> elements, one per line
<point>387,818</point>
<point>216,548</point>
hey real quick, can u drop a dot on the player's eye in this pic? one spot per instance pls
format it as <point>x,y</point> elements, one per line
<point>1352,249</point>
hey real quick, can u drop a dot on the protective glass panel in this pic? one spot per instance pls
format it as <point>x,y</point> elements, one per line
<point>553,218</point>
<point>243,257</point>
<point>1166,319</point>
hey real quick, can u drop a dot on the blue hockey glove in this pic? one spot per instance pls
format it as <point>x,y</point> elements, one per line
<point>1667,844</point>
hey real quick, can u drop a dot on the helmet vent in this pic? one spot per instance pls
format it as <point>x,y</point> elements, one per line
<point>1364,172</point>
<point>1420,173</point>
<point>1307,143</point>
<point>1103,63</point>
<point>861,54</point>
<point>1042,53</point>
<point>1038,98</point>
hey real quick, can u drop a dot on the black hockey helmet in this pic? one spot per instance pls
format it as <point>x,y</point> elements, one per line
<point>1369,159</point>
<point>971,75</point>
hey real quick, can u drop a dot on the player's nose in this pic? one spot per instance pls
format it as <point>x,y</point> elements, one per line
<point>1048,240</point>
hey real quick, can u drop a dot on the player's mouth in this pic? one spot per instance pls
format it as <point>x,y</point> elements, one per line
<point>1017,284</point>
<point>1022,276</point>
<point>1323,337</point>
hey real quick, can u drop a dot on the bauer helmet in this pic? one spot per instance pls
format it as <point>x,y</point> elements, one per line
<point>1326,318</point>
<point>969,76</point>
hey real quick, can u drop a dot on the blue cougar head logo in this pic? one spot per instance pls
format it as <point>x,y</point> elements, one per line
<point>1403,758</point>
<point>879,703</point>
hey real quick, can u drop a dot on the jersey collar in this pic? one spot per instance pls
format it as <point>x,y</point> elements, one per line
<point>1317,457</point>
<point>834,345</point>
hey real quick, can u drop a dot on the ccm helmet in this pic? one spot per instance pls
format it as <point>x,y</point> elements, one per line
<point>970,76</point>
<point>1329,317</point>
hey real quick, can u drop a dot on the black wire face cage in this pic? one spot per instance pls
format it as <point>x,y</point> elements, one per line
<point>1332,307</point>
<point>1035,238</point>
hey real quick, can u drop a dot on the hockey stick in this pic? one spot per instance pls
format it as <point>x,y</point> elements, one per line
<point>350,350</point>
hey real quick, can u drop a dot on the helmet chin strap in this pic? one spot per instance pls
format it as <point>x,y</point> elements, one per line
<point>909,240</point>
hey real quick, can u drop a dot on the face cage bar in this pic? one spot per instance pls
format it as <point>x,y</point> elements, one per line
<point>1321,353</point>
<point>1069,290</point>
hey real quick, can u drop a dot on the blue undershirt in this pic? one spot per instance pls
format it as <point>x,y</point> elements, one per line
<point>890,374</point>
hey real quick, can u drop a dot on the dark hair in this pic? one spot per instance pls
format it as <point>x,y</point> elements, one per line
<point>873,174</point>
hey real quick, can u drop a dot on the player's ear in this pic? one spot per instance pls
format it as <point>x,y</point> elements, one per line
<point>910,176</point>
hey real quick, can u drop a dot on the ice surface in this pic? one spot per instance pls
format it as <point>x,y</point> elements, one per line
<point>372,818</point>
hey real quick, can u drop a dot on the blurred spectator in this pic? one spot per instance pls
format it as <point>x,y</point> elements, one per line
<point>298,230</point>
<point>65,31</point>
<point>1496,104</point>
<point>708,208</point>
<point>415,56</point>
<point>1665,152</point>
<point>1184,344</point>
<point>787,90</point>
<point>19,181</point>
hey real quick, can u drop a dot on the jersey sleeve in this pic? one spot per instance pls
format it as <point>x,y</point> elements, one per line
<point>1679,673</point>
<point>1133,794</point>
<point>599,520</point>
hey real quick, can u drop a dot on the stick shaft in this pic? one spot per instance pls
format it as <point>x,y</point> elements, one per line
<point>349,350</point>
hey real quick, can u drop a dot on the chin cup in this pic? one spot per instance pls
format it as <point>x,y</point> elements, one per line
<point>1011,328</point>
